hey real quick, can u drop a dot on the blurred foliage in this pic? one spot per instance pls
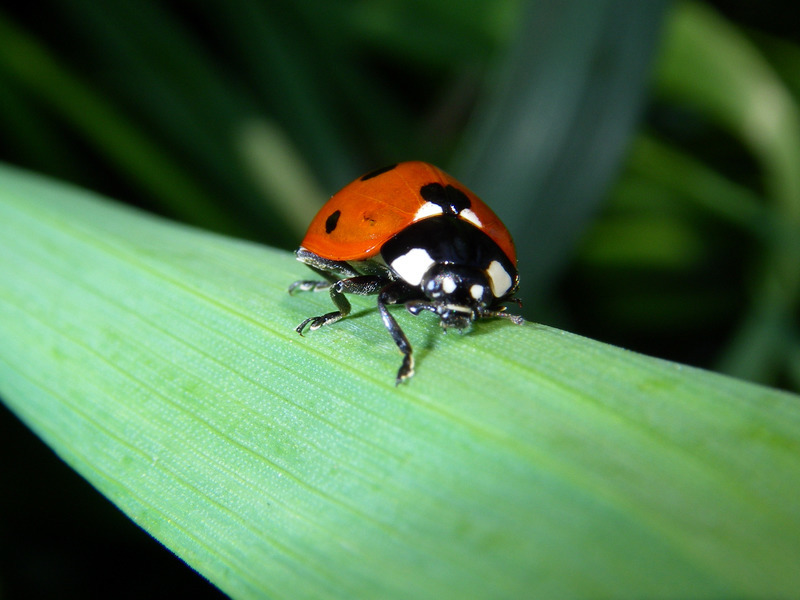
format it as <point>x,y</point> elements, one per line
<point>697,255</point>
<point>242,116</point>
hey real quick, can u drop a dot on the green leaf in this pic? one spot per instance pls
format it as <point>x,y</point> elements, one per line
<point>161,363</point>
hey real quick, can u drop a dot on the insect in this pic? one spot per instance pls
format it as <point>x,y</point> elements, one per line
<point>413,235</point>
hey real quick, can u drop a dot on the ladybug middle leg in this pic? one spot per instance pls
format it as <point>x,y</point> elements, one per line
<point>363,285</point>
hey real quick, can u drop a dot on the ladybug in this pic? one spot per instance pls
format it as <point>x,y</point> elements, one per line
<point>413,235</point>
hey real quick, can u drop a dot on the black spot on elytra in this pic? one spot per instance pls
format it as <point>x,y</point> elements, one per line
<point>331,221</point>
<point>377,172</point>
<point>452,200</point>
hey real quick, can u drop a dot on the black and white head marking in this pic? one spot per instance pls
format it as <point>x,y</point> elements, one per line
<point>457,262</point>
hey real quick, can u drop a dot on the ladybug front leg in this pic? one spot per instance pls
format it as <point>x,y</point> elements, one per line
<point>363,285</point>
<point>395,293</point>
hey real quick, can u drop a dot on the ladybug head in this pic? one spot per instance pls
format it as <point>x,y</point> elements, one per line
<point>458,294</point>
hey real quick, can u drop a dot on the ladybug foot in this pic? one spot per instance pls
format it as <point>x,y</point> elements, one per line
<point>406,369</point>
<point>515,319</point>
<point>317,322</point>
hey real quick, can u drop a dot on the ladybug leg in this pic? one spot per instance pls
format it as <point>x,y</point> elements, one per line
<point>516,319</point>
<point>500,311</point>
<point>363,285</point>
<point>417,306</point>
<point>330,270</point>
<point>396,293</point>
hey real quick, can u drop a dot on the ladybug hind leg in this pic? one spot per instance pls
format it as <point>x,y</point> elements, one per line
<point>330,270</point>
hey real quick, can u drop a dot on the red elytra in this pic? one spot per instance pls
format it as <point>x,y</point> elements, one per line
<point>363,215</point>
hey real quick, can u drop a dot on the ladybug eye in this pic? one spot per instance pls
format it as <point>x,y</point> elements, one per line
<point>442,280</point>
<point>433,289</point>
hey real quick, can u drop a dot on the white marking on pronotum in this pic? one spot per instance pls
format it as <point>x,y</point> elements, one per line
<point>470,216</point>
<point>476,291</point>
<point>412,265</point>
<point>499,279</point>
<point>428,209</point>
